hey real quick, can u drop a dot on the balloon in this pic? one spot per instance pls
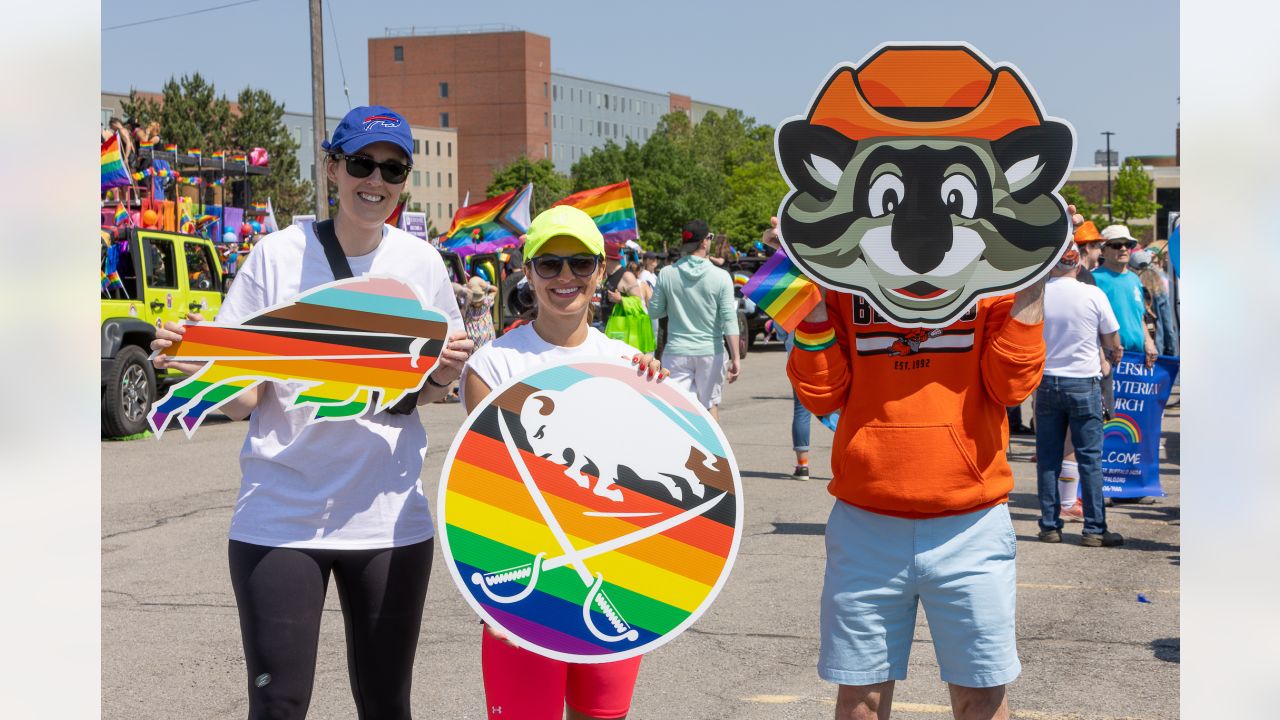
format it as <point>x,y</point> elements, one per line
<point>149,218</point>
<point>229,236</point>
<point>245,229</point>
<point>257,226</point>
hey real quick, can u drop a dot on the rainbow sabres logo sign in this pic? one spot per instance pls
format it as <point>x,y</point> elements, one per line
<point>578,541</point>
<point>334,346</point>
<point>387,121</point>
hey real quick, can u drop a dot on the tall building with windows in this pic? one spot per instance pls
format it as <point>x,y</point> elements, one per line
<point>496,87</point>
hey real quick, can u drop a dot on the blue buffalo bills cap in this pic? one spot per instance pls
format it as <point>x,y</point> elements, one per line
<point>366,125</point>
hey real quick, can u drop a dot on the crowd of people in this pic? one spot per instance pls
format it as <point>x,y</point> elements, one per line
<point>921,484</point>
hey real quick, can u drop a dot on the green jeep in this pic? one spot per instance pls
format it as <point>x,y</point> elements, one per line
<point>164,276</point>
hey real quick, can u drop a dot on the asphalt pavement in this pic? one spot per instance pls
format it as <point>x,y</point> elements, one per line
<point>1089,647</point>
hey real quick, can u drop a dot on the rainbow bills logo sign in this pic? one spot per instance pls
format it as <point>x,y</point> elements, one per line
<point>576,538</point>
<point>335,345</point>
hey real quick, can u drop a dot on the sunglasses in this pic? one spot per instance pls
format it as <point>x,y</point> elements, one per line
<point>549,266</point>
<point>361,166</point>
<point>1123,246</point>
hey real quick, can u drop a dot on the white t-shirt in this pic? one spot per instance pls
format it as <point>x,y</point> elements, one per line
<point>522,349</point>
<point>348,485</point>
<point>649,279</point>
<point>1075,314</point>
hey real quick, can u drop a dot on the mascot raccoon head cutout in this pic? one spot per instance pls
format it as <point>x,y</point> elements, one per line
<point>924,179</point>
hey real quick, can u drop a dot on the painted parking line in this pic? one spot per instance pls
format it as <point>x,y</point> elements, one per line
<point>930,709</point>
<point>1096,589</point>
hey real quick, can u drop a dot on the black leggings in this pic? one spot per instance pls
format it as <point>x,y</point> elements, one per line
<point>280,593</point>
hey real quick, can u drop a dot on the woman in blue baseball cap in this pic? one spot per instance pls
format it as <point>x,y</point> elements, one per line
<point>340,499</point>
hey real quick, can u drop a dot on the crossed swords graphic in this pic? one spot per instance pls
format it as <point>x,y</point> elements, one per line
<point>573,557</point>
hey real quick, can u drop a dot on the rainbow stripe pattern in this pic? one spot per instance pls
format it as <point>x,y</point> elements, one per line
<point>612,208</point>
<point>1123,426</point>
<point>121,215</point>
<point>815,336</point>
<point>490,226</point>
<point>113,172</point>
<point>782,291</point>
<point>340,342</point>
<point>651,562</point>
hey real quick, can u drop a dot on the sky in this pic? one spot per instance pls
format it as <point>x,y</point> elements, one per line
<point>1101,65</point>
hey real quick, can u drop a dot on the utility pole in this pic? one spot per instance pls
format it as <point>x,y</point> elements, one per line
<point>1108,133</point>
<point>318,130</point>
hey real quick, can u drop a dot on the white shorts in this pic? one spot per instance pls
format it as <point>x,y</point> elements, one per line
<point>701,375</point>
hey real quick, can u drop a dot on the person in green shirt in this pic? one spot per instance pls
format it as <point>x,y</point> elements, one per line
<point>697,299</point>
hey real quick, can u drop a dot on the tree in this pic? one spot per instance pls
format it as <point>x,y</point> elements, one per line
<point>755,191</point>
<point>260,123</point>
<point>548,185</point>
<point>1133,193</point>
<point>192,115</point>
<point>1089,210</point>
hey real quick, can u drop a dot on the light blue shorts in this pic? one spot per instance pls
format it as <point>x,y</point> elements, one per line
<point>961,568</point>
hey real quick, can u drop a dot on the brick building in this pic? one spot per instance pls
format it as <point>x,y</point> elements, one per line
<point>497,89</point>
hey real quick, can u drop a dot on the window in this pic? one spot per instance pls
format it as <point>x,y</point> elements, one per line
<point>438,182</point>
<point>426,148</point>
<point>428,174</point>
<point>450,145</point>
<point>444,89</point>
<point>555,92</point>
<point>437,147</point>
<point>159,263</point>
<point>398,53</point>
<point>450,179</point>
<point>615,129</point>
<point>444,122</point>
<point>544,90</point>
<point>545,121</point>
<point>200,266</point>
<point>439,209</point>
<point>415,207</point>
<point>450,209</point>
<point>591,97</point>
<point>417,179</point>
<point>599,128</point>
<point>545,153</point>
<point>606,101</point>
<point>416,149</point>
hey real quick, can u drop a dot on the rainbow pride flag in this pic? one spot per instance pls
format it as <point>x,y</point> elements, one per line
<point>612,208</point>
<point>217,154</point>
<point>121,215</point>
<point>113,172</point>
<point>782,291</point>
<point>576,574</point>
<point>341,341</point>
<point>492,225</point>
<point>171,147</point>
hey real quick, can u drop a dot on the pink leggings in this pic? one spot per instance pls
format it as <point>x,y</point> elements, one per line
<point>525,685</point>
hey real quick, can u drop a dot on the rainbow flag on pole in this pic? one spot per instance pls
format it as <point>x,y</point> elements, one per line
<point>613,209</point>
<point>113,172</point>
<point>782,291</point>
<point>492,225</point>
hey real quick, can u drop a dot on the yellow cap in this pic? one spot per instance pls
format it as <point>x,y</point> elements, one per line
<point>563,220</point>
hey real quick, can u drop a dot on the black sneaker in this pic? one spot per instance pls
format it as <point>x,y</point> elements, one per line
<point>801,472</point>
<point>1050,536</point>
<point>1106,539</point>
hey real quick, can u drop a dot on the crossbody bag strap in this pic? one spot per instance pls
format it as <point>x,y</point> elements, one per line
<point>341,271</point>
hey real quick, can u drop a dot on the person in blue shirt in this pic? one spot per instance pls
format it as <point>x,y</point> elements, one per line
<point>1124,290</point>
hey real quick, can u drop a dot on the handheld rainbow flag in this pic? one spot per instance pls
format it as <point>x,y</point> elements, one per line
<point>612,208</point>
<point>121,215</point>
<point>239,157</point>
<point>258,207</point>
<point>113,171</point>
<point>217,154</point>
<point>194,152</point>
<point>171,147</point>
<point>340,342</point>
<point>492,225</point>
<point>782,291</point>
<point>589,567</point>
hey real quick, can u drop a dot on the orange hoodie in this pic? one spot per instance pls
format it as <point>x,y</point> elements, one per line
<point>922,429</point>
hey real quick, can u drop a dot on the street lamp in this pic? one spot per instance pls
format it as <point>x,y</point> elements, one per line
<point>1108,133</point>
